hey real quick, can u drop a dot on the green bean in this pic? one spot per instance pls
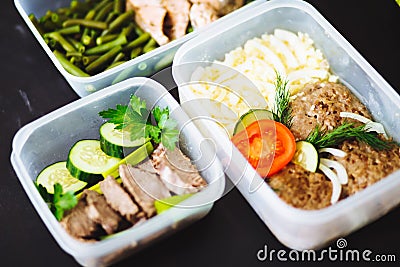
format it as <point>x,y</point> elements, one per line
<point>36,23</point>
<point>118,22</point>
<point>87,23</point>
<point>70,30</point>
<point>78,45</point>
<point>121,40</point>
<point>86,60</point>
<point>100,16</point>
<point>119,6</point>
<point>106,38</point>
<point>142,66</point>
<point>136,52</point>
<point>100,5</point>
<point>49,25</point>
<point>46,16</point>
<point>110,17</point>
<point>62,41</point>
<point>151,45</point>
<point>128,29</point>
<point>119,57</point>
<point>64,10</point>
<point>68,66</point>
<point>115,64</point>
<point>165,61</point>
<point>100,63</point>
<point>73,54</point>
<point>58,19</point>
<point>86,39</point>
<point>138,41</point>
<point>79,7</point>
<point>75,60</point>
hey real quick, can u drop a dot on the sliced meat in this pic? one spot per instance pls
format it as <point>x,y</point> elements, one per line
<point>119,200</point>
<point>77,222</point>
<point>143,186</point>
<point>178,173</point>
<point>147,166</point>
<point>150,15</point>
<point>202,14</point>
<point>177,17</point>
<point>221,7</point>
<point>100,212</point>
<point>321,103</point>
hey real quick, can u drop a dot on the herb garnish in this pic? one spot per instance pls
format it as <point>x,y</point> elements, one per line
<point>136,119</point>
<point>59,202</point>
<point>282,111</point>
<point>323,138</point>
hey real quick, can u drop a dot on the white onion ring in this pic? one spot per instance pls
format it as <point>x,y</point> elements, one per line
<point>336,186</point>
<point>338,167</point>
<point>334,151</point>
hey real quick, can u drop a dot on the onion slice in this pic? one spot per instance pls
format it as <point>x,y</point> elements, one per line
<point>338,167</point>
<point>334,151</point>
<point>370,126</point>
<point>336,186</point>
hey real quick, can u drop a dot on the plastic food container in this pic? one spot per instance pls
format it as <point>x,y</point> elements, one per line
<point>295,228</point>
<point>49,139</point>
<point>155,60</point>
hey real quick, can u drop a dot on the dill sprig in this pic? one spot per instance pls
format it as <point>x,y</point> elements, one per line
<point>282,111</point>
<point>346,131</point>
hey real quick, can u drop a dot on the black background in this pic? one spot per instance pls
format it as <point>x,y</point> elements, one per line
<point>232,233</point>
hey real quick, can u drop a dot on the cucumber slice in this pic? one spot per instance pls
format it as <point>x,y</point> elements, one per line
<point>86,161</point>
<point>113,141</point>
<point>306,156</point>
<point>251,116</point>
<point>58,173</point>
<point>162,205</point>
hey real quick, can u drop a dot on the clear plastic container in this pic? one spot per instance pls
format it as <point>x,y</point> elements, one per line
<point>295,228</point>
<point>49,138</point>
<point>155,60</point>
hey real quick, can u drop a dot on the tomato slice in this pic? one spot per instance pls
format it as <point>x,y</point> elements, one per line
<point>267,145</point>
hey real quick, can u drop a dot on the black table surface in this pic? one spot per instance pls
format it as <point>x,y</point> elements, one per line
<point>232,233</point>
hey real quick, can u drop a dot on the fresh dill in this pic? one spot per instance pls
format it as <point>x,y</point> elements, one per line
<point>346,131</point>
<point>282,111</point>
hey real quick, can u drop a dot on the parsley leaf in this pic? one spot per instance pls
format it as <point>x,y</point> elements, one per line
<point>62,202</point>
<point>135,119</point>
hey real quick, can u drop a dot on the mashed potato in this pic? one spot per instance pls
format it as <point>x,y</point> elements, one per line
<point>245,78</point>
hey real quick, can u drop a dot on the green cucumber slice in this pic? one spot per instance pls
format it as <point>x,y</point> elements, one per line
<point>86,161</point>
<point>306,156</point>
<point>58,173</point>
<point>251,116</point>
<point>113,141</point>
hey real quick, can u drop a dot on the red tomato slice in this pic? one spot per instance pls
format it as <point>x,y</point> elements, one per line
<point>267,145</point>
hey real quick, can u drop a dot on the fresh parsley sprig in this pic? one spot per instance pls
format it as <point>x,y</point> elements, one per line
<point>346,131</point>
<point>59,202</point>
<point>282,111</point>
<point>136,119</point>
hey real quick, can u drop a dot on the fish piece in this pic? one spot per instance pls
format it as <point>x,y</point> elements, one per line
<point>119,199</point>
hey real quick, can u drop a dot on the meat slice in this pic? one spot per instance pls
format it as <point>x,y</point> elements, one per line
<point>177,171</point>
<point>144,187</point>
<point>177,16</point>
<point>77,222</point>
<point>119,200</point>
<point>202,14</point>
<point>147,166</point>
<point>150,15</point>
<point>221,7</point>
<point>100,212</point>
